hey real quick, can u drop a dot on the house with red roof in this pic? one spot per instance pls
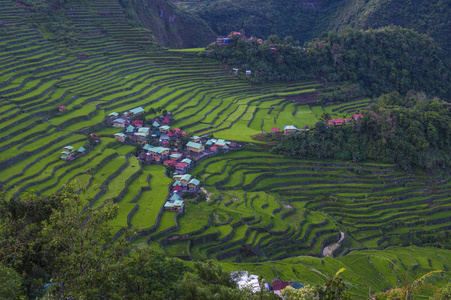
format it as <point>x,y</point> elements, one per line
<point>61,108</point>
<point>169,163</point>
<point>181,167</point>
<point>336,122</point>
<point>137,123</point>
<point>278,285</point>
<point>166,121</point>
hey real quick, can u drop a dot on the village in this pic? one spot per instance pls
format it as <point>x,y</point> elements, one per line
<point>177,150</point>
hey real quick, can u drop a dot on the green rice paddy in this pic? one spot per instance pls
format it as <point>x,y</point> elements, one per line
<point>267,214</point>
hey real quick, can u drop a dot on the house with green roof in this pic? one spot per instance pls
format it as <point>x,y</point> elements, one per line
<point>187,161</point>
<point>81,150</point>
<point>290,128</point>
<point>136,111</point>
<point>130,129</point>
<point>176,205</point>
<point>159,150</point>
<point>174,197</point>
<point>145,130</point>
<point>195,147</point>
<point>113,114</point>
<point>193,185</point>
<point>185,179</point>
<point>195,138</point>
<point>164,129</point>
<point>175,156</point>
<point>155,124</point>
<point>120,137</point>
<point>119,123</point>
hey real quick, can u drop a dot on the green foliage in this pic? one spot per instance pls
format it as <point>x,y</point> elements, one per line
<point>379,61</point>
<point>305,293</point>
<point>308,19</point>
<point>11,283</point>
<point>444,293</point>
<point>411,131</point>
<point>333,289</point>
<point>68,243</point>
<point>263,18</point>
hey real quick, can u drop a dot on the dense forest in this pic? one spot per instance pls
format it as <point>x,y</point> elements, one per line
<point>411,131</point>
<point>380,61</point>
<point>305,20</point>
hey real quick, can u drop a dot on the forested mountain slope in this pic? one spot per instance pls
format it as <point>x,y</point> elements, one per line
<point>305,19</point>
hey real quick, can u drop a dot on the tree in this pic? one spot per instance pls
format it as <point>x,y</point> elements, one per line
<point>11,283</point>
<point>409,287</point>
<point>444,293</point>
<point>209,281</point>
<point>333,288</point>
<point>305,293</point>
<point>59,237</point>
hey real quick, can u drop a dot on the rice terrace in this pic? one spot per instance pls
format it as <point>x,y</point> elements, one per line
<point>121,117</point>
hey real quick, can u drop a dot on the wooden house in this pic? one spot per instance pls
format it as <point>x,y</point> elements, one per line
<point>119,123</point>
<point>193,185</point>
<point>195,139</point>
<point>164,129</point>
<point>185,179</point>
<point>175,156</point>
<point>336,122</point>
<point>120,137</point>
<point>169,163</point>
<point>136,111</point>
<point>195,147</point>
<point>181,167</point>
<point>289,129</point>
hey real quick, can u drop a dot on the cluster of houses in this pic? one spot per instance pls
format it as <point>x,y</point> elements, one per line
<point>335,122</point>
<point>157,139</point>
<point>287,129</point>
<point>162,144</point>
<point>69,153</point>
<point>340,122</point>
<point>183,183</point>
<point>246,281</point>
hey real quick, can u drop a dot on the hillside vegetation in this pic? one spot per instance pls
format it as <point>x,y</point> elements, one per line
<point>272,214</point>
<point>305,20</point>
<point>380,61</point>
<point>411,131</point>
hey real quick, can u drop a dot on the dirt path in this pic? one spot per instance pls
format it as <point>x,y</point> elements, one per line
<point>206,193</point>
<point>329,250</point>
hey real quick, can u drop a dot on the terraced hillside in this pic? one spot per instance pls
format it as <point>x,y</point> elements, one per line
<point>106,72</point>
<point>265,207</point>
<point>261,207</point>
